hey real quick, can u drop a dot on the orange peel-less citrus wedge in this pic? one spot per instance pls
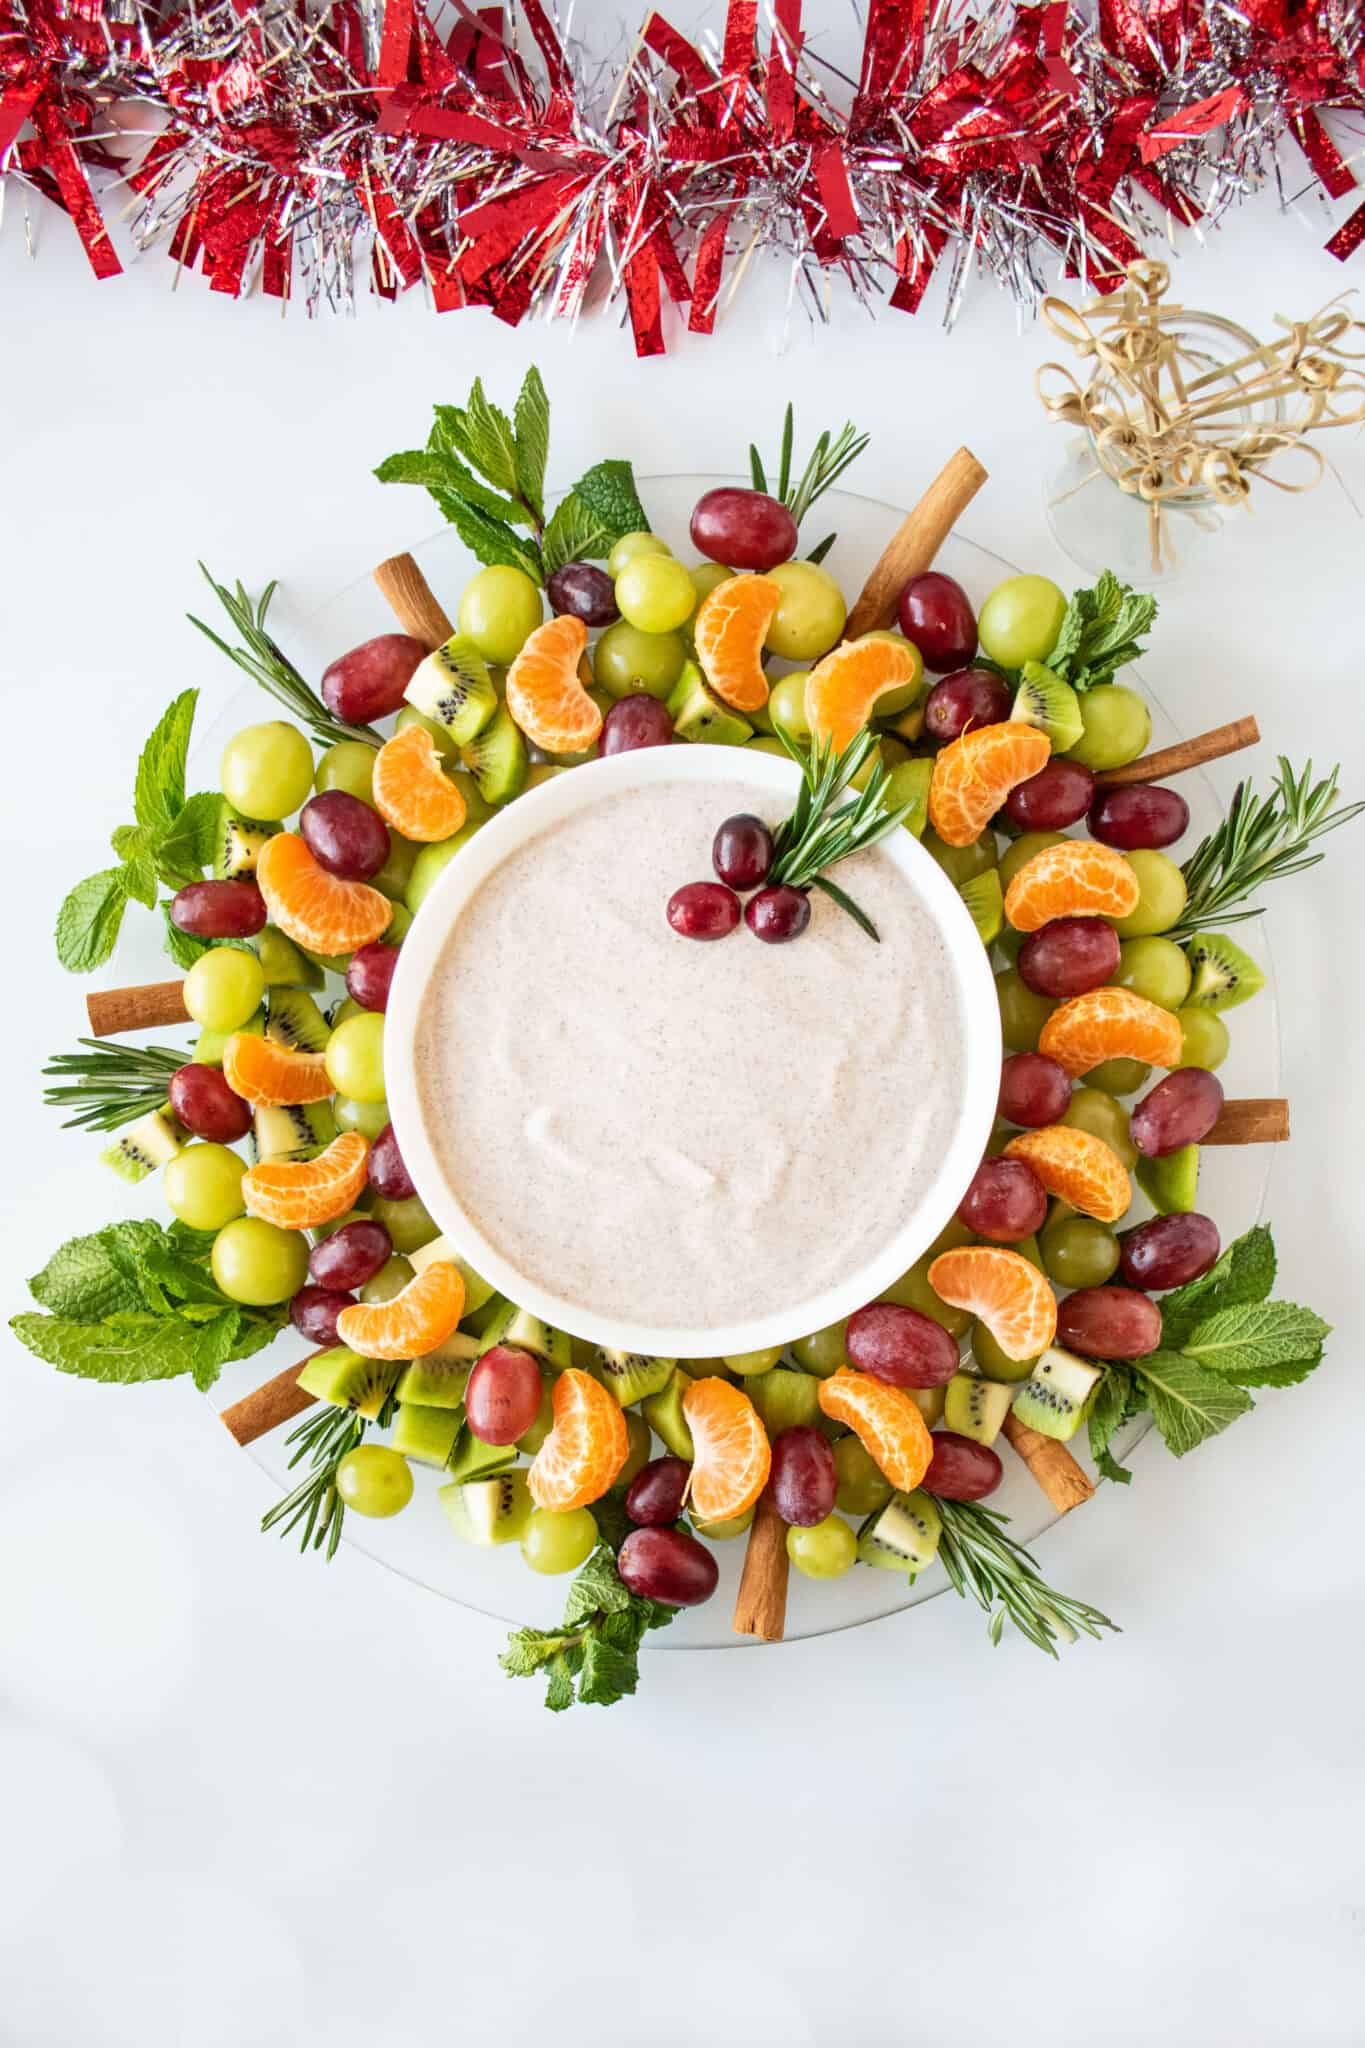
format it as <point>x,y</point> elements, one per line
<point>842,690</point>
<point>728,634</point>
<point>414,1322</point>
<point>885,1421</point>
<point>545,693</point>
<point>973,776</point>
<point>317,910</point>
<point>1002,1290</point>
<point>1077,1167</point>
<point>412,792</point>
<point>271,1076</point>
<point>731,1455</point>
<point>1078,878</point>
<point>1111,1024</point>
<point>299,1194</point>
<point>586,1448</point>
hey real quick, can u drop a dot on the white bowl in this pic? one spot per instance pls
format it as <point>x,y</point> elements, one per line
<point>564,796</point>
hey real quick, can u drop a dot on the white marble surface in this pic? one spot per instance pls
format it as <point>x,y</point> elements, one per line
<point>249,1800</point>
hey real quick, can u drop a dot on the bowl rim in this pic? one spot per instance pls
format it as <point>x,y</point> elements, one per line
<point>562,797</point>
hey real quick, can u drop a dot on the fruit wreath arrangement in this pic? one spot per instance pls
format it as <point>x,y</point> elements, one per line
<point>1001,739</point>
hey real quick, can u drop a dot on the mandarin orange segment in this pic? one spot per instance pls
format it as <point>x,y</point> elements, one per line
<point>1077,1167</point>
<point>973,776</point>
<point>416,1321</point>
<point>728,633</point>
<point>317,910</point>
<point>586,1447</point>
<point>545,692</point>
<point>731,1456</point>
<point>1002,1290</point>
<point>1078,878</point>
<point>273,1076</point>
<point>842,690</point>
<point>300,1194</point>
<point>886,1422</point>
<point>412,792</point>
<point>1110,1024</point>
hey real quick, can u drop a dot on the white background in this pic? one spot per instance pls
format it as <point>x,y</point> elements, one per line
<point>245,1799</point>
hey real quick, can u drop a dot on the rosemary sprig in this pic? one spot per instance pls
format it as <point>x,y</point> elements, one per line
<point>822,830</point>
<point>323,1439</point>
<point>986,1565</point>
<point>828,460</point>
<point>267,664</point>
<point>1260,839</point>
<point>110,1084</point>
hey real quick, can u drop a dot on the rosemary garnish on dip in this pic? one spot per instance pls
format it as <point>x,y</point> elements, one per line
<point>822,830</point>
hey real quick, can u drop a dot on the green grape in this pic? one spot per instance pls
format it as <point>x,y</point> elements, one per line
<point>1078,1251</point>
<point>349,765</point>
<point>203,1186</point>
<point>445,745</point>
<point>863,1487</point>
<point>1118,1077</point>
<point>347,1008</point>
<point>1155,968</point>
<point>400,924</point>
<point>1104,1117</point>
<point>223,988</point>
<point>912,1290</point>
<point>535,1436</point>
<point>746,1362</point>
<point>826,1550</point>
<point>1023,849</point>
<point>722,1532</point>
<point>1117,726</point>
<point>760,718</point>
<point>822,1353</point>
<point>641,1445</point>
<point>355,1057</point>
<point>558,1542</point>
<point>1204,1039</point>
<point>961,863</point>
<point>762,744</point>
<point>632,545</point>
<point>329,1229</point>
<point>394,876</point>
<point>655,594</point>
<point>626,661</point>
<point>1028,1248</point>
<point>432,860</point>
<point>1020,620</point>
<point>392,1277</point>
<point>930,1401</point>
<point>499,609</point>
<point>810,614</point>
<point>1022,1013</point>
<point>375,1481</point>
<point>787,706</point>
<point>267,770</point>
<point>369,1118</point>
<point>1163,897</point>
<point>996,1364</point>
<point>258,1264</point>
<point>894,752</point>
<point>408,1222</point>
<point>705,577</point>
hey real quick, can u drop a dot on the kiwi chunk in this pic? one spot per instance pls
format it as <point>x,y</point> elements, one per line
<point>294,1019</point>
<point>144,1145</point>
<point>439,1379</point>
<point>238,844</point>
<point>427,1434</point>
<point>985,901</point>
<point>1171,1184</point>
<point>283,963</point>
<point>1044,700</point>
<point>477,1291</point>
<point>699,714</point>
<point>474,1459</point>
<point>479,1321</point>
<point>630,1375</point>
<point>346,1380</point>
<point>1223,975</point>
<point>299,1131</point>
<point>488,1511</point>
<point>497,758</point>
<point>454,689</point>
<point>664,1413</point>
<point>903,1536</point>
<point>1052,1400</point>
<point>975,1407</point>
<point>524,1332</point>
<point>909,784</point>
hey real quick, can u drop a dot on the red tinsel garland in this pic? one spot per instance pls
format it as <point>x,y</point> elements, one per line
<point>327,147</point>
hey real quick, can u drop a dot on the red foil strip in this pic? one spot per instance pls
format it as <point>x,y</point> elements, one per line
<point>1348,236</point>
<point>836,194</point>
<point>1190,123</point>
<point>780,83</point>
<point>1333,173</point>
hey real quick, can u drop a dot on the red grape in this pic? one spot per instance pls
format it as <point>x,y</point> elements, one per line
<point>667,1565</point>
<point>961,1468</point>
<point>368,683</point>
<point>344,835</point>
<point>206,1106</point>
<point>1034,1090</point>
<point>1069,956</point>
<point>1005,1201</point>
<point>655,1495</point>
<point>703,910</point>
<point>369,975</point>
<point>314,1311</point>
<point>1142,814</point>
<point>1169,1251</point>
<point>1180,1110</point>
<point>219,910</point>
<point>936,613</point>
<point>1108,1322</point>
<point>1059,794</point>
<point>742,851</point>
<point>388,1176</point>
<point>968,699</point>
<point>900,1345</point>
<point>634,722</point>
<point>744,529</point>
<point>351,1255</point>
<point>777,914</point>
<point>583,591</point>
<point>804,1479</point>
<point>502,1398</point>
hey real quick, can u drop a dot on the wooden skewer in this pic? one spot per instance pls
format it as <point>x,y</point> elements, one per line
<point>1256,1120</point>
<point>113,1010</point>
<point>761,1604</point>
<point>412,601</point>
<point>279,1400</point>
<point>1052,1465</point>
<point>1186,754</point>
<point>915,542</point>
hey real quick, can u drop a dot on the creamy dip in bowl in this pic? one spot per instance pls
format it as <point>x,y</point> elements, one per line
<point>682,1148</point>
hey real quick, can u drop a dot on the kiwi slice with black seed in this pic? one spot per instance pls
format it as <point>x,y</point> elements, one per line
<point>1053,1399</point>
<point>346,1380</point>
<point>664,1414</point>
<point>497,758</point>
<point>524,1332</point>
<point>144,1145</point>
<point>904,1535</point>
<point>1044,700</point>
<point>284,964</point>
<point>488,1511</point>
<point>1222,974</point>
<point>238,844</point>
<point>699,714</point>
<point>631,1375</point>
<point>294,1019</point>
<point>472,1458</point>
<point>439,1379</point>
<point>975,1407</point>
<point>299,1130</point>
<point>454,689</point>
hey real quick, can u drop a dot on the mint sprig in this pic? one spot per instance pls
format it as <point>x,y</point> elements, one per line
<point>593,1658</point>
<point>1102,630</point>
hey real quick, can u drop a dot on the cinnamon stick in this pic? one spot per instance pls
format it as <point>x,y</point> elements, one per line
<point>1186,754</point>
<point>112,1010</point>
<point>1255,1120</point>
<point>412,601</point>
<point>279,1400</point>
<point>761,1603</point>
<point>1051,1464</point>
<point>915,542</point>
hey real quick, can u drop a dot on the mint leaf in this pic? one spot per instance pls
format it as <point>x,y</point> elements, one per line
<point>437,469</point>
<point>608,490</point>
<point>190,842</point>
<point>82,1283</point>
<point>126,1349</point>
<point>609,1672</point>
<point>489,539</point>
<point>597,1588</point>
<point>136,846</point>
<point>1245,1272</point>
<point>1101,631</point>
<point>89,919</point>
<point>1107,1414</point>
<point>489,441</point>
<point>1188,1402</point>
<point>531,419</point>
<point>574,534</point>
<point>183,947</point>
<point>1260,1343</point>
<point>159,789</point>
